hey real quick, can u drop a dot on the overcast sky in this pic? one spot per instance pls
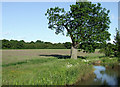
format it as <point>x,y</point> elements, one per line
<point>27,20</point>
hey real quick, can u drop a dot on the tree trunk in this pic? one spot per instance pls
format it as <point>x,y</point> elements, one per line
<point>73,52</point>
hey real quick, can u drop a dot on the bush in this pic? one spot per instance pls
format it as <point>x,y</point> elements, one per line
<point>108,49</point>
<point>117,44</point>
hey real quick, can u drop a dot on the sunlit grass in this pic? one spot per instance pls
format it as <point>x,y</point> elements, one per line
<point>41,72</point>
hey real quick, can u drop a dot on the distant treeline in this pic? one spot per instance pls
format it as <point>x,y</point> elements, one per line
<point>15,44</point>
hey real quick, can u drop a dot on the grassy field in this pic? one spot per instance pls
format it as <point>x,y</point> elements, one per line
<point>20,55</point>
<point>46,66</point>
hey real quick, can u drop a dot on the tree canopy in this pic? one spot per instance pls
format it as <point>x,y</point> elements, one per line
<point>84,22</point>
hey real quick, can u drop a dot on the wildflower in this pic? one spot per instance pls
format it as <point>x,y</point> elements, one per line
<point>85,60</point>
<point>69,65</point>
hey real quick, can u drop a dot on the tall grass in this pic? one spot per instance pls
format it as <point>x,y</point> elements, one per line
<point>49,71</point>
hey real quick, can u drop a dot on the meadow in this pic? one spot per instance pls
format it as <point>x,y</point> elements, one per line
<point>47,66</point>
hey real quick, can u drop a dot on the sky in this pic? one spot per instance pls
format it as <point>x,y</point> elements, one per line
<point>27,21</point>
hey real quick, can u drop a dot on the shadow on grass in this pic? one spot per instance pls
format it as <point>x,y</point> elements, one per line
<point>41,60</point>
<point>61,56</point>
<point>13,64</point>
<point>32,61</point>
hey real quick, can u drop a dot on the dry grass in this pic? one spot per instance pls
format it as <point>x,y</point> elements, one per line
<point>10,56</point>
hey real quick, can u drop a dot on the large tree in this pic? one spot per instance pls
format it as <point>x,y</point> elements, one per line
<point>85,23</point>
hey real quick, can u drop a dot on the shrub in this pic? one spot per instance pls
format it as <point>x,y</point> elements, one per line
<point>117,44</point>
<point>108,49</point>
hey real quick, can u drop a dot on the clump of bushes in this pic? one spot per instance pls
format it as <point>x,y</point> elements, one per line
<point>117,44</point>
<point>15,44</point>
<point>108,49</point>
<point>112,49</point>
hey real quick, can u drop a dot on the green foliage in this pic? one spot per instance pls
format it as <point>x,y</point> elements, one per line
<point>108,60</point>
<point>67,45</point>
<point>14,44</point>
<point>89,47</point>
<point>85,23</point>
<point>112,49</point>
<point>5,44</point>
<point>0,44</point>
<point>117,44</point>
<point>108,49</point>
